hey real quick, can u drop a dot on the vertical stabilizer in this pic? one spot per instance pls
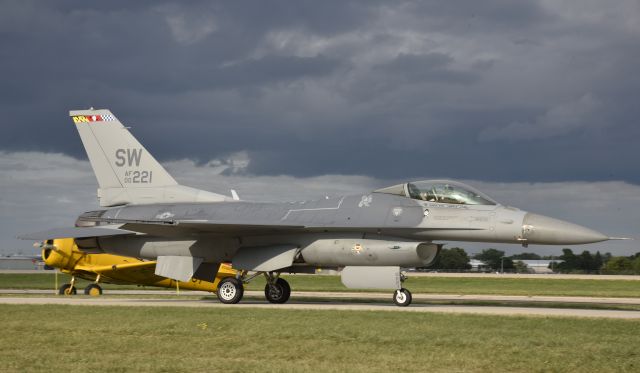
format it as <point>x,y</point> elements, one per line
<point>127,173</point>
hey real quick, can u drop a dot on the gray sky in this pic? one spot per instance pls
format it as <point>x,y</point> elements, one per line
<point>534,102</point>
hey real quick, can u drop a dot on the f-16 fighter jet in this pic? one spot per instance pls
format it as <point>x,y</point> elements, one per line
<point>370,236</point>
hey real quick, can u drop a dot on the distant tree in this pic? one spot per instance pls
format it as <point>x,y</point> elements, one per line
<point>586,262</point>
<point>493,259</point>
<point>570,261</point>
<point>453,258</point>
<point>520,267</point>
<point>526,256</point>
<point>597,261</point>
<point>636,264</point>
<point>619,264</point>
<point>553,265</point>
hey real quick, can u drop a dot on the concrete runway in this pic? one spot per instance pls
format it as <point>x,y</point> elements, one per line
<point>342,305</point>
<point>369,295</point>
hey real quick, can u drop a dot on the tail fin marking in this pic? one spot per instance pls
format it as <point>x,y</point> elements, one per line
<point>126,171</point>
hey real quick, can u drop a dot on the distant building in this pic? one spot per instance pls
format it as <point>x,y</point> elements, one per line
<point>479,266</point>
<point>539,266</point>
<point>18,262</point>
<point>533,266</point>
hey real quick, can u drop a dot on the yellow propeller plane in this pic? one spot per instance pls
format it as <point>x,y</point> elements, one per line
<point>64,255</point>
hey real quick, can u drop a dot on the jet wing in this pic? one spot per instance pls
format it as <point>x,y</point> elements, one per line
<point>225,227</point>
<point>76,232</point>
<point>177,227</point>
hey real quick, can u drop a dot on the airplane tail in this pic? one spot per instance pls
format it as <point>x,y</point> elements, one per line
<point>127,173</point>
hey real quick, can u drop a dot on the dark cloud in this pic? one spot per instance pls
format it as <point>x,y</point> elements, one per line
<point>493,90</point>
<point>431,67</point>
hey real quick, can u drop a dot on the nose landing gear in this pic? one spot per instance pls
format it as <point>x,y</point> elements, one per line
<point>402,297</point>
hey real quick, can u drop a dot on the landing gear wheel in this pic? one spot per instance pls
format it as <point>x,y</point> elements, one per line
<point>279,292</point>
<point>402,297</point>
<point>230,290</point>
<point>93,290</point>
<point>67,289</point>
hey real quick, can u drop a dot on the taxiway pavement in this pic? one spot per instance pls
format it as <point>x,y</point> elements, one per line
<point>369,295</point>
<point>311,305</point>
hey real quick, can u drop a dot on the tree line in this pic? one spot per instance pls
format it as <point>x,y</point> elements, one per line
<point>456,258</point>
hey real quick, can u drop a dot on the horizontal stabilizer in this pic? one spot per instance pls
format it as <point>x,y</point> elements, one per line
<point>84,232</point>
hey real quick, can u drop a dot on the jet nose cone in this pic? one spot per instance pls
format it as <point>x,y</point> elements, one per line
<point>539,229</point>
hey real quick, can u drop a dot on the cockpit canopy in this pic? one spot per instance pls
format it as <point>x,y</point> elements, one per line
<point>440,191</point>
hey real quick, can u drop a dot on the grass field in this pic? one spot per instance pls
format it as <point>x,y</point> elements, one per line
<point>433,285</point>
<point>115,339</point>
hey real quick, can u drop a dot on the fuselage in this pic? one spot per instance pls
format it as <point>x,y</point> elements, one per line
<point>332,225</point>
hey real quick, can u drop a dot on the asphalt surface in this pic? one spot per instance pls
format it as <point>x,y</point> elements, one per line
<point>343,305</point>
<point>356,301</point>
<point>370,296</point>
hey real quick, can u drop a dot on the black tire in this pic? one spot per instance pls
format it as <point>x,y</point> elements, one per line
<point>93,290</point>
<point>67,289</point>
<point>230,290</point>
<point>279,292</point>
<point>402,297</point>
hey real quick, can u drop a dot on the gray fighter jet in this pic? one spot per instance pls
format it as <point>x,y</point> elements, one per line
<point>370,236</point>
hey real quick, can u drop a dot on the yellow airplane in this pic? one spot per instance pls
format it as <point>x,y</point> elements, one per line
<point>114,269</point>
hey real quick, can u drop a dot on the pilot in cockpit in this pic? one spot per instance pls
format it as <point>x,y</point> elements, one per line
<point>425,196</point>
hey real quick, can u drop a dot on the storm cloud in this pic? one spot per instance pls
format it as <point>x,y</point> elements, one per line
<point>523,93</point>
<point>526,91</point>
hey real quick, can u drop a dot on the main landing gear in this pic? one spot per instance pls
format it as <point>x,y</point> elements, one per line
<point>277,290</point>
<point>67,289</point>
<point>231,289</point>
<point>70,289</point>
<point>93,289</point>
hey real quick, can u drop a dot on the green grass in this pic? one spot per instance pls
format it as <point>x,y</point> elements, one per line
<point>433,285</point>
<point>117,339</point>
